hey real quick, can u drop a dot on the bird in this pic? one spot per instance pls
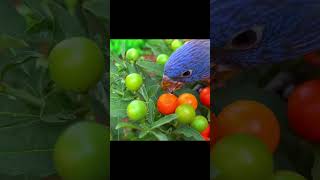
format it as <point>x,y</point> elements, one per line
<point>189,63</point>
<point>249,33</point>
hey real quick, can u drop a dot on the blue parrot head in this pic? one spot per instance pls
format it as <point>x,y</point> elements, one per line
<point>251,32</point>
<point>189,63</point>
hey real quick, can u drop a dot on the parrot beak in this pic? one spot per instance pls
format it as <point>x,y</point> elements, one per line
<point>168,84</point>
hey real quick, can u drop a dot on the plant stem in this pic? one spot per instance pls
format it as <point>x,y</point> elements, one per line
<point>21,94</point>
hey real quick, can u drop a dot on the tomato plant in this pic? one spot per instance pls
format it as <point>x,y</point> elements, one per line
<point>248,154</point>
<point>72,158</point>
<point>200,123</point>
<point>132,54</point>
<point>303,110</point>
<point>161,119</point>
<point>133,81</point>
<point>162,59</point>
<point>53,75</point>
<point>250,117</point>
<point>167,103</point>
<point>136,110</point>
<point>205,96</point>
<point>187,98</point>
<point>176,44</point>
<point>77,56</point>
<point>287,175</point>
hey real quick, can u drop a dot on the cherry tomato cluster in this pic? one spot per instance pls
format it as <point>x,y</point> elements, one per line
<point>247,129</point>
<point>185,107</point>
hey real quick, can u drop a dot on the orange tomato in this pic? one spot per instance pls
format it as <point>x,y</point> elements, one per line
<point>187,98</point>
<point>167,103</point>
<point>252,118</point>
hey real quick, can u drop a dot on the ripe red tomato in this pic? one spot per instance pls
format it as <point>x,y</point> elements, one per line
<point>206,133</point>
<point>252,118</point>
<point>167,103</point>
<point>241,156</point>
<point>304,110</point>
<point>187,98</point>
<point>205,96</point>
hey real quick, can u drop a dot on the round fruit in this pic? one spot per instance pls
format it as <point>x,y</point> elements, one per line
<point>167,103</point>
<point>176,44</point>
<point>200,123</point>
<point>76,64</point>
<point>132,54</point>
<point>206,132</point>
<point>205,96</point>
<point>162,59</point>
<point>303,110</point>
<point>287,175</point>
<point>185,113</point>
<point>133,81</point>
<point>187,98</point>
<point>252,118</point>
<point>136,110</point>
<point>241,157</point>
<point>82,152</point>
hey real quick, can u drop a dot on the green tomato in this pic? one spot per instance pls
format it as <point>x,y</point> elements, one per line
<point>176,44</point>
<point>132,54</point>
<point>76,64</point>
<point>82,152</point>
<point>162,59</point>
<point>185,113</point>
<point>133,81</point>
<point>136,110</point>
<point>200,123</point>
<point>241,157</point>
<point>168,41</point>
<point>287,175</point>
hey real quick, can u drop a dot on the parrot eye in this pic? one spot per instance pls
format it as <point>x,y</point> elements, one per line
<point>186,73</point>
<point>246,39</point>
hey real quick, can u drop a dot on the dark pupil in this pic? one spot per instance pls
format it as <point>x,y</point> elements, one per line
<point>187,73</point>
<point>245,39</point>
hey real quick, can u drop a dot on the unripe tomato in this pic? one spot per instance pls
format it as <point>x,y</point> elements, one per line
<point>76,64</point>
<point>200,123</point>
<point>167,103</point>
<point>132,54</point>
<point>133,81</point>
<point>82,152</point>
<point>136,110</point>
<point>205,96</point>
<point>162,59</point>
<point>176,44</point>
<point>241,156</point>
<point>304,110</point>
<point>187,98</point>
<point>252,118</point>
<point>185,113</point>
<point>287,175</point>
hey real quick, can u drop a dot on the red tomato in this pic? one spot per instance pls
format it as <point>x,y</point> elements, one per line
<point>167,103</point>
<point>205,96</point>
<point>304,110</point>
<point>252,118</point>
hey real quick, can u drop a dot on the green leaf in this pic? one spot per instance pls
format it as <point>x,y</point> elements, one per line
<point>159,135</point>
<point>99,8</point>
<point>63,19</point>
<point>151,111</point>
<point>164,120</point>
<point>189,132</point>
<point>127,125</point>
<point>150,67</point>
<point>11,42</point>
<point>11,23</point>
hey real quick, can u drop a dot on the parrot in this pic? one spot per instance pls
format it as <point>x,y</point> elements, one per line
<point>189,63</point>
<point>248,33</point>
